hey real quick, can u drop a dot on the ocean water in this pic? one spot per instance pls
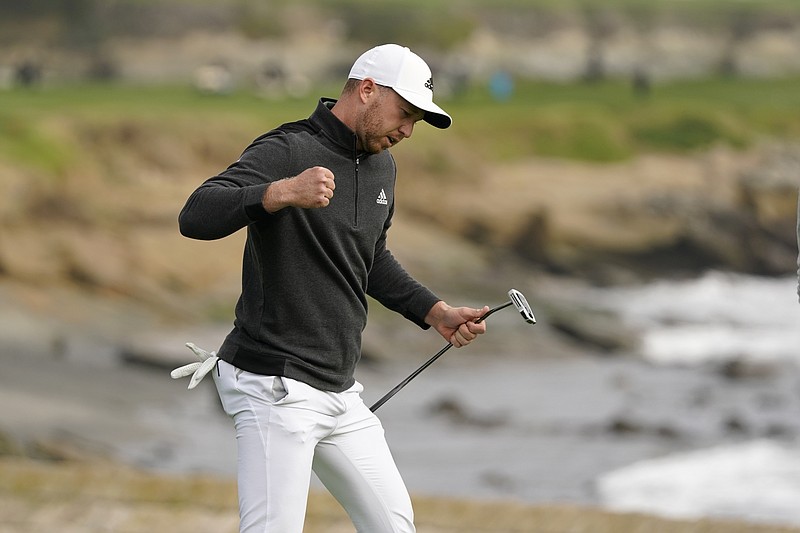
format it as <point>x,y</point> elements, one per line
<point>660,431</point>
<point>693,443</point>
<point>756,480</point>
<point>715,318</point>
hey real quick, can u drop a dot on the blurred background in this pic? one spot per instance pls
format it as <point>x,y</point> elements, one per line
<point>631,166</point>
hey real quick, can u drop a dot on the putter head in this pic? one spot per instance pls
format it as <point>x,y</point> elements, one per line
<point>522,306</point>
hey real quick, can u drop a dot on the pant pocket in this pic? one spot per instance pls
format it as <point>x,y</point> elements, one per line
<point>271,389</point>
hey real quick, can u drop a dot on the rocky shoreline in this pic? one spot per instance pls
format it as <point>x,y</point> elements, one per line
<point>560,411</point>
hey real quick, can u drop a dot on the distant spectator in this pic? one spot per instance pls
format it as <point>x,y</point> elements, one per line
<point>459,81</point>
<point>103,69</point>
<point>595,65</point>
<point>501,85</point>
<point>640,83</point>
<point>213,79</point>
<point>28,74</point>
<point>272,79</point>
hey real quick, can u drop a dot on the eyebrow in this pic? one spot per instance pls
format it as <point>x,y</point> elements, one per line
<point>405,105</point>
<point>412,110</point>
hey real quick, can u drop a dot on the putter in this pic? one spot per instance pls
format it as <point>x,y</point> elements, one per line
<point>515,298</point>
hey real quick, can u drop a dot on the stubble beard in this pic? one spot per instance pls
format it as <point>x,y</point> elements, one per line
<point>369,133</point>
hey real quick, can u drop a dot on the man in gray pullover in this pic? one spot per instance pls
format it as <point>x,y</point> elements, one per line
<point>317,199</point>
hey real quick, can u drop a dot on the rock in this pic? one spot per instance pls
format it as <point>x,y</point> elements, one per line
<point>457,413</point>
<point>741,369</point>
<point>598,329</point>
<point>735,425</point>
<point>768,193</point>
<point>167,349</point>
<point>625,426</point>
<point>66,446</point>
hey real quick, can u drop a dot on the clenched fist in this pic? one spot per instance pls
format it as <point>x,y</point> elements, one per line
<point>311,189</point>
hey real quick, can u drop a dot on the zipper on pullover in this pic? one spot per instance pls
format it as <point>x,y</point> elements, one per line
<point>355,210</point>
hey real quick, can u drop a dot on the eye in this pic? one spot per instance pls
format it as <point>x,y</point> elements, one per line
<point>412,114</point>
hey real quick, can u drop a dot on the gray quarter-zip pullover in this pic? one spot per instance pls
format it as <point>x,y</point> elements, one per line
<point>306,273</point>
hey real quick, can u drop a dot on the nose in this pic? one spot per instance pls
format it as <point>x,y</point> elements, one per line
<point>407,129</point>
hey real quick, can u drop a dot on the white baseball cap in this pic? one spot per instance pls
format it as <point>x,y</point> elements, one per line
<point>396,66</point>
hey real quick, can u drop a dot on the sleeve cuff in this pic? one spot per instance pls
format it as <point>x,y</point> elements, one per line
<point>253,206</point>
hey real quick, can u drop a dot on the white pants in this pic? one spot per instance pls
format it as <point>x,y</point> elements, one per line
<point>284,429</point>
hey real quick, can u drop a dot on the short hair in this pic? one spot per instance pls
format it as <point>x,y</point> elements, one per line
<point>350,86</point>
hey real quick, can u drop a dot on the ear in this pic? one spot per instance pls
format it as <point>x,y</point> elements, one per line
<point>367,89</point>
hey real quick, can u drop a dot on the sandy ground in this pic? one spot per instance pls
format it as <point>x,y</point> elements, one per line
<point>75,497</point>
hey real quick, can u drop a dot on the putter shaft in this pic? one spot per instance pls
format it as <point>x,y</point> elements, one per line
<point>430,361</point>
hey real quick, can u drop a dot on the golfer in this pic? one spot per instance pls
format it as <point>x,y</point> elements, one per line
<point>317,198</point>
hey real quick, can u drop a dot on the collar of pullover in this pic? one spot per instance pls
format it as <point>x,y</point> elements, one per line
<point>335,129</point>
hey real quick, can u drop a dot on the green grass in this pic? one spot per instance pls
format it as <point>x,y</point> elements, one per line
<point>599,122</point>
<point>25,143</point>
<point>129,101</point>
<point>607,121</point>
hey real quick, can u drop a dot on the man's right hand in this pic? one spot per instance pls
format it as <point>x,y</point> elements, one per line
<point>311,189</point>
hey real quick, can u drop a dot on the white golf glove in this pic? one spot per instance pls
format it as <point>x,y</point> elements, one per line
<point>198,370</point>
